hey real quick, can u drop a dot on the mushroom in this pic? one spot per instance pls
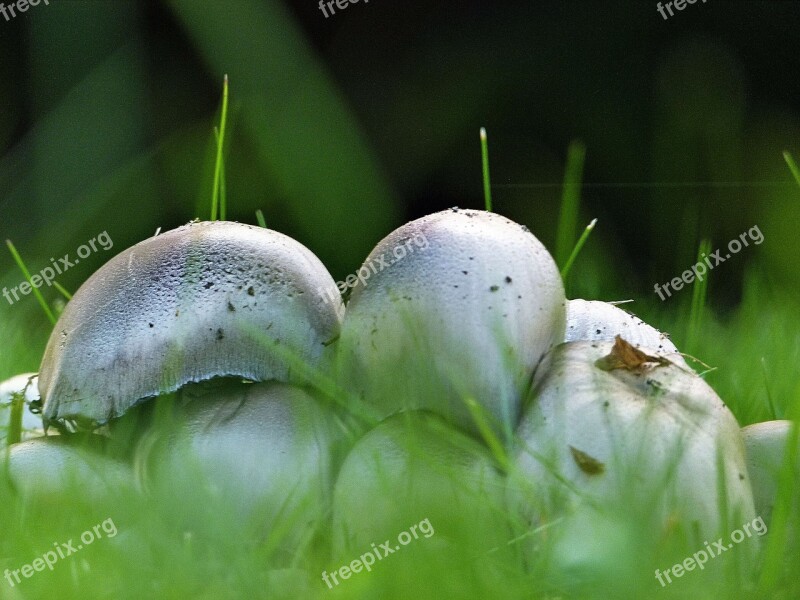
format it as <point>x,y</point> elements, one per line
<point>31,422</point>
<point>207,299</point>
<point>261,453</point>
<point>612,426</point>
<point>593,320</point>
<point>415,466</point>
<point>51,471</point>
<point>454,307</point>
<point>766,446</point>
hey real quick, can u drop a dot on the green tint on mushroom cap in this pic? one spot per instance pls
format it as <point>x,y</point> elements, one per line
<point>261,454</point>
<point>207,299</point>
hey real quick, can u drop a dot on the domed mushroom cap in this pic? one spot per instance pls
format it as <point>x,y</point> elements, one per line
<point>415,466</point>
<point>207,299</point>
<point>607,426</point>
<point>51,470</point>
<point>766,445</point>
<point>260,453</point>
<point>593,320</point>
<point>31,422</point>
<point>456,305</point>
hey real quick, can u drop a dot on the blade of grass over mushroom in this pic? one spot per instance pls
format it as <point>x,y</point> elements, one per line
<point>220,135</point>
<point>36,292</point>
<point>316,378</point>
<point>699,291</point>
<point>303,130</point>
<point>575,251</point>
<point>260,219</point>
<point>570,202</point>
<point>15,420</point>
<point>487,183</point>
<point>787,156</point>
<point>784,505</point>
<point>482,421</point>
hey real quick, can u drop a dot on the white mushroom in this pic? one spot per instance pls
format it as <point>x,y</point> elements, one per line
<point>593,320</point>
<point>766,445</point>
<point>458,305</point>
<point>414,466</point>
<point>31,422</point>
<point>50,471</point>
<point>612,426</point>
<point>204,300</point>
<point>260,452</point>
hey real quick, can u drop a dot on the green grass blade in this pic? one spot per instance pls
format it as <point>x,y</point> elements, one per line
<point>575,251</point>
<point>482,421</point>
<point>260,218</point>
<point>570,201</point>
<point>223,187</point>
<point>61,289</point>
<point>15,422</point>
<point>487,183</point>
<point>699,293</point>
<point>36,292</point>
<point>792,166</point>
<point>775,550</point>
<point>220,143</point>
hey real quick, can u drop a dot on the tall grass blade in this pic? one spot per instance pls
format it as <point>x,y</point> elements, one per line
<point>36,292</point>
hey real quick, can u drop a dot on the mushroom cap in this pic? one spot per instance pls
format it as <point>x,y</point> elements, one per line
<point>594,320</point>
<point>766,445</point>
<point>261,452</point>
<point>51,469</point>
<point>414,466</point>
<point>207,299</point>
<point>650,439</point>
<point>458,304</point>
<point>31,422</point>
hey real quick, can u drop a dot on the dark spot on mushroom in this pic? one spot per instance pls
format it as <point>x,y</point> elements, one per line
<point>231,308</point>
<point>209,284</point>
<point>508,279</point>
<point>251,291</point>
<point>464,272</point>
<point>178,312</point>
<point>220,334</point>
<point>151,325</point>
<point>494,288</point>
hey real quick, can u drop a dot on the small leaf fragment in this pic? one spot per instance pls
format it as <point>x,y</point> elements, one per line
<point>625,356</point>
<point>586,463</point>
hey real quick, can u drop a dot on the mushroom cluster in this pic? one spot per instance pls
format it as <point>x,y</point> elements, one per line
<point>489,396</point>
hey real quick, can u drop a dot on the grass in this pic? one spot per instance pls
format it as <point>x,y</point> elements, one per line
<point>179,535</point>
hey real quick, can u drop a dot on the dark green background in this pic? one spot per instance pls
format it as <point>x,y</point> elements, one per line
<point>343,128</point>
